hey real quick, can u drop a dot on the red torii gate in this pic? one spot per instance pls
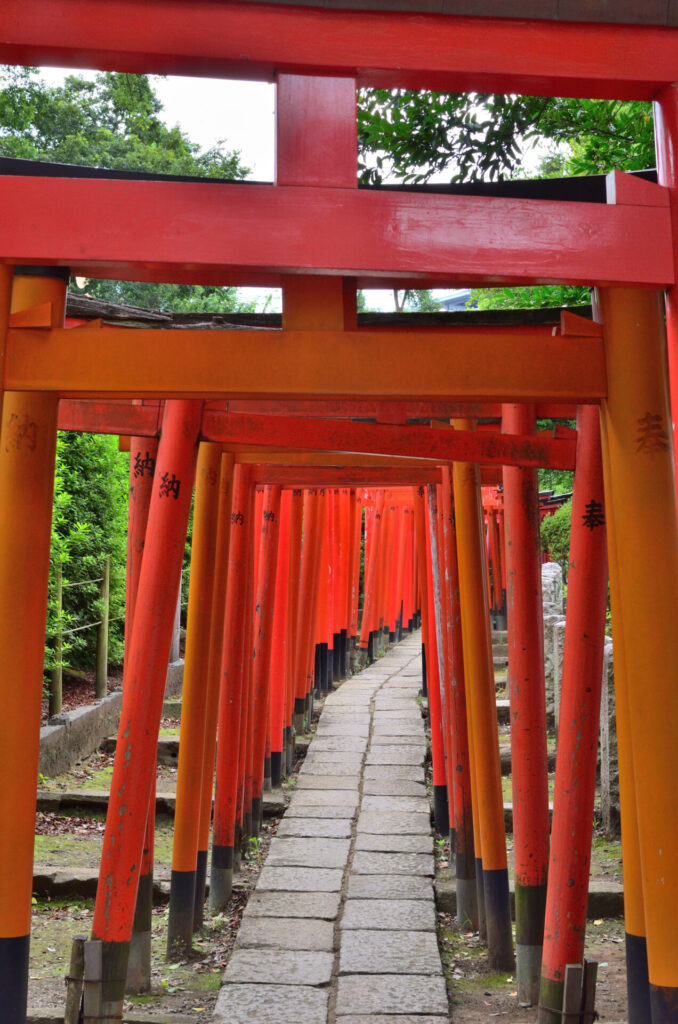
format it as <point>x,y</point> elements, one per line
<point>312,231</point>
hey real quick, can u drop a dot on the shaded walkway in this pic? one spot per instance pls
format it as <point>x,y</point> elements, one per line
<point>342,923</point>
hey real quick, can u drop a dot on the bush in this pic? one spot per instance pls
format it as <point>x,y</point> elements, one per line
<point>555,536</point>
<point>88,523</point>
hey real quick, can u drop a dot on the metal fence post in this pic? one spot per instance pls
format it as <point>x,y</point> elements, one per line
<point>102,632</point>
<point>55,688</point>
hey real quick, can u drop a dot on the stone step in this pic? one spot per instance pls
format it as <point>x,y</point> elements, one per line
<point>606,898</point>
<point>56,882</point>
<point>499,650</point>
<point>499,636</point>
<point>88,800</point>
<point>168,748</point>
<point>505,755</point>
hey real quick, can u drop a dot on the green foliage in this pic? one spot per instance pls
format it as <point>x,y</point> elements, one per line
<point>411,136</point>
<point>179,298</point>
<point>555,536</point>
<point>530,297</point>
<point>89,522</point>
<point>112,121</point>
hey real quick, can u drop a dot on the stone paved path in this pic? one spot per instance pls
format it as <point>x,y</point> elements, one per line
<point>341,927</point>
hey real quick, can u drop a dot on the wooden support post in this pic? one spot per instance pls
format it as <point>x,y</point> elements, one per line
<point>102,631</point>
<point>464,855</point>
<point>296,523</point>
<point>268,529</point>
<point>74,980</point>
<point>370,595</point>
<point>134,765</point>
<point>637,452</point>
<point>27,453</point>
<point>436,690</point>
<point>194,701</point>
<point>637,980</point>
<point>214,679</point>
<point>230,752</point>
<point>568,879</point>
<point>481,701</point>
<point>6,274</point>
<point>143,454</point>
<point>56,675</point>
<point>278,661</point>
<point>528,708</point>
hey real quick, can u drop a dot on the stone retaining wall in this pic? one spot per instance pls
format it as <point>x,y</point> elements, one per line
<point>73,735</point>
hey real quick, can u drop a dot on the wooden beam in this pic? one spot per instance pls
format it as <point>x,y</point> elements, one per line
<point>94,417</point>
<point>386,49</point>
<point>481,365</point>
<point>289,476</point>
<point>370,438</point>
<point>204,232</point>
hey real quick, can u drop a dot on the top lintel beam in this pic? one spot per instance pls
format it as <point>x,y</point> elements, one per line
<point>386,49</point>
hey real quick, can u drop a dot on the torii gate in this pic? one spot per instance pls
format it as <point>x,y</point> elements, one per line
<point>319,236</point>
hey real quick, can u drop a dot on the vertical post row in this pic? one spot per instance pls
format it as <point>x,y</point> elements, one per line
<point>27,454</point>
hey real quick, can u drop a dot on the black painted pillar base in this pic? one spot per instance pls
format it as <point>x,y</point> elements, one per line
<point>221,878</point>
<point>181,913</point>
<point>322,674</point>
<point>139,949</point>
<point>14,956</point>
<point>108,981</point>
<point>200,883</point>
<point>288,750</point>
<point>276,768</point>
<point>317,668</point>
<point>329,678</point>
<point>237,846</point>
<point>267,775</point>
<point>370,647</point>
<point>641,1001</point>
<point>298,716</point>
<point>343,654</point>
<point>498,917</point>
<point>530,913</point>
<point>452,839</point>
<point>424,687</point>
<point>440,810</point>
<point>336,659</point>
<point>257,815</point>
<point>480,891</point>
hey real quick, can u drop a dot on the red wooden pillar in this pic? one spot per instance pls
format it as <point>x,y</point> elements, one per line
<point>371,596</point>
<point>262,635</point>
<point>232,692</point>
<point>293,591</point>
<point>248,782</point>
<point>143,453</point>
<point>279,661</point>
<point>568,879</point>
<point>134,764</point>
<point>528,708</point>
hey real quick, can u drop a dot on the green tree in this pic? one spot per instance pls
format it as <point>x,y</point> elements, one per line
<point>410,136</point>
<point>555,536</point>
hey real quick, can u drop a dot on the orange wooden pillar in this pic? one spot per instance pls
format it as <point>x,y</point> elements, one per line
<point>27,453</point>
<point>247,765</point>
<point>568,878</point>
<point>460,769</point>
<point>640,493</point>
<point>304,619</point>
<point>481,704</point>
<point>356,546</point>
<point>528,708</point>
<point>194,701</point>
<point>134,764</point>
<point>232,693</point>
<point>221,557</point>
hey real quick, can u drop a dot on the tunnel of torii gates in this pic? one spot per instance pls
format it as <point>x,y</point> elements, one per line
<point>260,420</point>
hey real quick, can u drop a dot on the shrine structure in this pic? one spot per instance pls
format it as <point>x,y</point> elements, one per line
<point>284,409</point>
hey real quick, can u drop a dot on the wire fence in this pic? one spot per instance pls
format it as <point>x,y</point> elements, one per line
<point>59,634</point>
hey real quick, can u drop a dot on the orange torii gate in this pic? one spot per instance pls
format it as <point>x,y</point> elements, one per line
<point>319,236</point>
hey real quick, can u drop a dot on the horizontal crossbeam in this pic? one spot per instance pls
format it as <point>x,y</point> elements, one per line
<point>479,365</point>
<point>416,441</point>
<point>234,234</point>
<point>385,49</point>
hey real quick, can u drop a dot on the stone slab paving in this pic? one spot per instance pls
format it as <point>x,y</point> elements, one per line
<point>341,926</point>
